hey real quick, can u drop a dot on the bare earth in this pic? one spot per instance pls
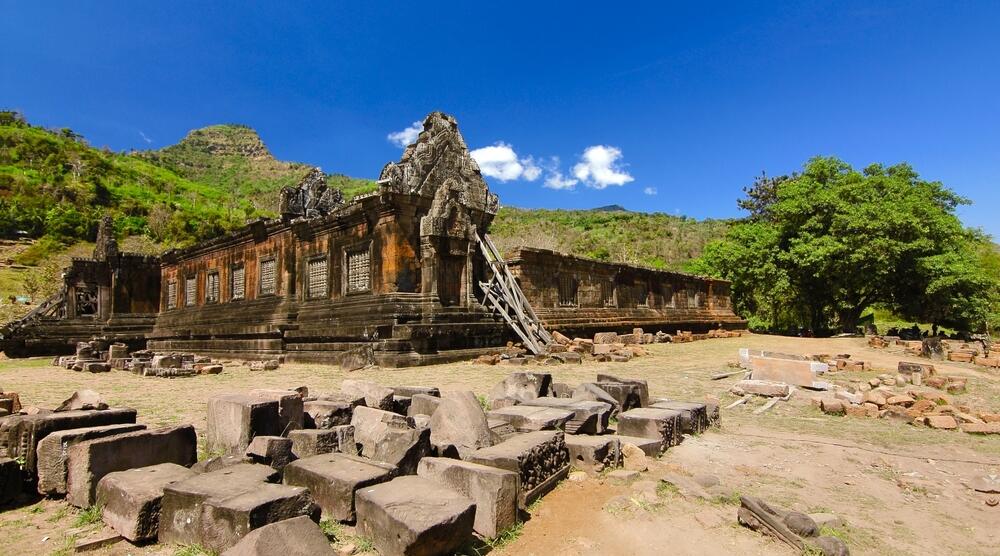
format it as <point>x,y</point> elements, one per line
<point>899,488</point>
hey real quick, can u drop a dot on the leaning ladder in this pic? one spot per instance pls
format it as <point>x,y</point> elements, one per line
<point>502,294</point>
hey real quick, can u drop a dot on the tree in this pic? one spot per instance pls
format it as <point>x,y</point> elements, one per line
<point>822,246</point>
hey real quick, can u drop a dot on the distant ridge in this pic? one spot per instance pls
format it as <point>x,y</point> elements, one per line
<point>610,208</point>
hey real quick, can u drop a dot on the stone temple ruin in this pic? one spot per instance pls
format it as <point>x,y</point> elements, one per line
<point>406,273</point>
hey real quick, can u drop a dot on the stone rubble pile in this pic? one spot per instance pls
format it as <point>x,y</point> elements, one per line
<point>603,347</point>
<point>982,352</point>
<point>98,356</point>
<point>418,470</point>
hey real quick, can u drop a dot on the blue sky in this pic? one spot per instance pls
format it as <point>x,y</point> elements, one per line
<point>663,107</point>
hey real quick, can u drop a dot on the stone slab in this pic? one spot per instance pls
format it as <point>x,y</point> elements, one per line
<point>589,417</point>
<point>53,452</point>
<point>130,500</point>
<point>652,447</point>
<point>789,371</point>
<point>235,419</point>
<point>694,415</point>
<point>183,502</point>
<point>414,516</point>
<point>90,461</point>
<point>225,521</point>
<point>333,480</point>
<point>311,442</point>
<point>326,414</point>
<point>290,407</point>
<point>648,422</point>
<point>298,536</point>
<point>493,490</point>
<point>526,418</point>
<point>535,456</point>
<point>594,453</point>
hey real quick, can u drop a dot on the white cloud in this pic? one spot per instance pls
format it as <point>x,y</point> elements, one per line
<point>144,138</point>
<point>501,162</point>
<point>650,191</point>
<point>600,167</point>
<point>407,136</point>
<point>554,178</point>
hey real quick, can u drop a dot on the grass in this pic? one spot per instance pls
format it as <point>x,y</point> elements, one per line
<point>363,544</point>
<point>88,516</point>
<point>334,531</point>
<point>194,550</point>
<point>508,536</point>
<point>665,489</point>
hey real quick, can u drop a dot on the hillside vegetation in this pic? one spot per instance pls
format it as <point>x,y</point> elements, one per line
<point>609,234</point>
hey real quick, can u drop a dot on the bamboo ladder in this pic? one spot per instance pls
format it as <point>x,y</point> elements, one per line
<point>502,294</point>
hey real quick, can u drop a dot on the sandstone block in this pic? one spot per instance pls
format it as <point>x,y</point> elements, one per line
<point>539,458</point>
<point>694,416</point>
<point>333,480</point>
<point>184,501</point>
<point>390,438</point>
<point>20,434</point>
<point>324,414</point>
<point>290,407</point>
<point>410,391</point>
<point>235,419</point>
<point>526,418</point>
<point>298,536</point>
<point>522,386</point>
<point>941,422</point>
<point>789,371</point>
<point>130,500</point>
<point>589,417</point>
<point>763,388</point>
<point>415,517</point>
<point>642,385</point>
<point>661,424</point>
<point>605,338</point>
<point>11,481</point>
<point>593,392</point>
<point>494,491</point>
<point>90,461</point>
<point>594,453</point>
<point>423,404</point>
<point>459,424</point>
<point>225,521</point>
<point>275,451</point>
<point>628,395</point>
<point>53,451</point>
<point>311,442</point>
<point>375,395</point>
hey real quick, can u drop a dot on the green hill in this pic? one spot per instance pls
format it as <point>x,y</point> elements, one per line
<point>608,234</point>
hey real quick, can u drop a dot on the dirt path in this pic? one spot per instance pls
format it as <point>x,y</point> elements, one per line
<point>899,488</point>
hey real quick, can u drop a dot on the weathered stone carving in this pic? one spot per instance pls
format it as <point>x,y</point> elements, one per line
<point>311,198</point>
<point>439,159</point>
<point>106,247</point>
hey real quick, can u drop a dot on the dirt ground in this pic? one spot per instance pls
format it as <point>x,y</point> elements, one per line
<point>899,488</point>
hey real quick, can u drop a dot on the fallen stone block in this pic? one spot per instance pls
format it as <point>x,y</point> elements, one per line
<point>275,451</point>
<point>907,368</point>
<point>789,371</point>
<point>594,453</point>
<point>53,452</point>
<point>592,392</point>
<point>83,399</point>
<point>648,422</point>
<point>761,388</point>
<point>459,424</point>
<point>423,404</point>
<point>493,490</point>
<point>183,502</point>
<point>642,385</point>
<point>500,430</point>
<point>526,418</point>
<point>981,428</point>
<point>390,438</point>
<point>333,480</point>
<point>539,458</point>
<point>20,434</point>
<point>235,419</point>
<point>11,481</point>
<point>298,536</point>
<point>523,386</point>
<point>694,416</point>
<point>589,417</point>
<point>375,395</point>
<point>324,414</point>
<point>225,521</point>
<point>415,517</point>
<point>290,407</point>
<point>651,447</point>
<point>628,395</point>
<point>311,442</point>
<point>605,338</point>
<point>833,406</point>
<point>218,462</point>
<point>88,462</point>
<point>941,422</point>
<point>410,391</point>
<point>130,500</point>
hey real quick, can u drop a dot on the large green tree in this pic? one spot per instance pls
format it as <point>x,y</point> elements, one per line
<point>823,245</point>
